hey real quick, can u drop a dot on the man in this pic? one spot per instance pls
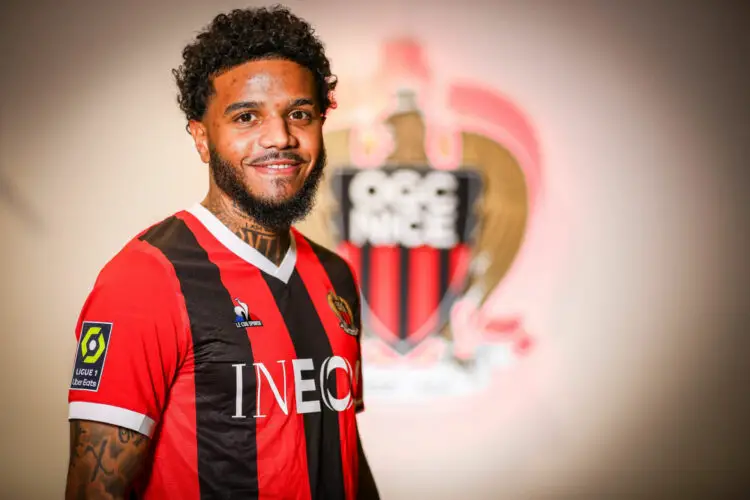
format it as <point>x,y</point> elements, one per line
<point>219,352</point>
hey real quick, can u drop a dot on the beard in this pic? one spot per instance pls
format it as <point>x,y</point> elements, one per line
<point>272,214</point>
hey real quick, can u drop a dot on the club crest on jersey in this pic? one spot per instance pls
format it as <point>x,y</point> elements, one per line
<point>343,312</point>
<point>242,316</point>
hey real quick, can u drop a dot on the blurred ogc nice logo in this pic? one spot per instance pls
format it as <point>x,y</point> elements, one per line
<point>429,189</point>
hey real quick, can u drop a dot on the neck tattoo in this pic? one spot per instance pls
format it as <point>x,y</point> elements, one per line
<point>273,245</point>
<point>270,244</point>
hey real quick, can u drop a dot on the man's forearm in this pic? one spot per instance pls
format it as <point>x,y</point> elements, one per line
<point>104,461</point>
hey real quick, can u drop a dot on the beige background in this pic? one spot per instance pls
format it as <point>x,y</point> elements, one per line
<point>641,111</point>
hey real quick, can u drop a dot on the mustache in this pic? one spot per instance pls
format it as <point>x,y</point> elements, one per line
<point>278,155</point>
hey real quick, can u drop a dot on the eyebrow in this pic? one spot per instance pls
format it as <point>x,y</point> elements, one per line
<point>241,105</point>
<point>302,101</point>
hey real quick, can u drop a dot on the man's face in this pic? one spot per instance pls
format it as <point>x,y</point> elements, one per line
<point>262,136</point>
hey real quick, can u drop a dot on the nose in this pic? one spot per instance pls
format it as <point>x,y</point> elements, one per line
<point>275,134</point>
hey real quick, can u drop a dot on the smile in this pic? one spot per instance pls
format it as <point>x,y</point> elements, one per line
<point>278,167</point>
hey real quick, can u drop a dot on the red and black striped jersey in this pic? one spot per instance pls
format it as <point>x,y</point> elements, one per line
<point>246,375</point>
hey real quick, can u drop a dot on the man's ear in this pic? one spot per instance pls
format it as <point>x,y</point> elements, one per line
<point>200,137</point>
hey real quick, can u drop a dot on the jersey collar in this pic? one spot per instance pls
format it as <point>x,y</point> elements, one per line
<point>244,251</point>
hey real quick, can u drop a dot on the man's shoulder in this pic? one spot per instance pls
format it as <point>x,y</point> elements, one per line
<point>139,258</point>
<point>335,265</point>
<point>326,256</point>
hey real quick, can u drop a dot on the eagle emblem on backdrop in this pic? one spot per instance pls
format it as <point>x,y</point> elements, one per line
<point>428,193</point>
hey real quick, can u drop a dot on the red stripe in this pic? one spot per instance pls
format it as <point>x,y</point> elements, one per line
<point>318,286</point>
<point>385,291</point>
<point>459,266</point>
<point>282,452</point>
<point>424,284</point>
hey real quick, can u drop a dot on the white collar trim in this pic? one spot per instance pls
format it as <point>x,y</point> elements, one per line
<point>244,251</point>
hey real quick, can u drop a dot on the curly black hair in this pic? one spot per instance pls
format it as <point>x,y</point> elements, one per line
<point>245,35</point>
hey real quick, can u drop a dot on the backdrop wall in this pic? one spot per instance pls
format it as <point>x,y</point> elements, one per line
<point>639,110</point>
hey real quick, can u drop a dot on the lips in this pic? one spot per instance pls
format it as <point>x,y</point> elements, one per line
<point>277,166</point>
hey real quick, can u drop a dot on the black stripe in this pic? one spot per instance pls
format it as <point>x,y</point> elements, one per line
<point>227,447</point>
<point>364,282</point>
<point>322,427</point>
<point>403,277</point>
<point>443,304</point>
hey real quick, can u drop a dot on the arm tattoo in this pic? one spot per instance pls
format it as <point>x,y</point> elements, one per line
<point>99,457</point>
<point>104,460</point>
<point>126,435</point>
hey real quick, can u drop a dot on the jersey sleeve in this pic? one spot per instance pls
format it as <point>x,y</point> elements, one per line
<point>131,341</point>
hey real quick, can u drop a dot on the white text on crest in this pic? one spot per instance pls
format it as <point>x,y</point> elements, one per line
<point>404,207</point>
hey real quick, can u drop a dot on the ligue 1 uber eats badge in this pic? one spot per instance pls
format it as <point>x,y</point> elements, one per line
<point>90,356</point>
<point>428,199</point>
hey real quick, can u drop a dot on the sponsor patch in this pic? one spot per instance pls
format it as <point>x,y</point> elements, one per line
<point>90,356</point>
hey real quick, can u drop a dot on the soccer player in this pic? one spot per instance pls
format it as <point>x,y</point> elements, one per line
<point>219,351</point>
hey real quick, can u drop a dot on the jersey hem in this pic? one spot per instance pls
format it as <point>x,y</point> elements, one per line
<point>108,414</point>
